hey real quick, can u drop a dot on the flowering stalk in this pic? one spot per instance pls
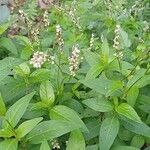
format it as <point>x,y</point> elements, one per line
<point>92,40</point>
<point>45,19</point>
<point>34,35</point>
<point>59,37</point>
<point>74,60</point>
<point>24,17</point>
<point>116,44</point>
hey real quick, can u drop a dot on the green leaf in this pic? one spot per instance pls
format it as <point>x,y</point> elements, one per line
<point>44,146</point>
<point>6,65</point>
<point>61,112</point>
<point>3,27</point>
<point>92,147</point>
<point>127,111</point>
<point>145,80</point>
<point>132,95</point>
<point>91,57</point>
<point>48,130</point>
<point>94,71</point>
<point>93,126</point>
<point>47,93</point>
<point>12,88</point>
<point>11,144</point>
<point>8,44</point>
<point>103,86</point>
<point>137,141</point>
<point>27,126</point>
<point>76,141</point>
<point>108,132</point>
<point>2,106</point>
<point>22,70</point>
<point>138,128</point>
<point>26,52</point>
<point>124,38</point>
<point>101,105</point>
<point>16,111</point>
<point>124,148</point>
<point>23,39</point>
<point>138,75</point>
<point>40,75</point>
<point>105,51</point>
<point>5,133</point>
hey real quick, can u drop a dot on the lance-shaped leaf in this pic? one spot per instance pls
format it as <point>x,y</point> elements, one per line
<point>108,132</point>
<point>3,27</point>
<point>47,93</point>
<point>132,95</point>
<point>76,141</point>
<point>61,112</point>
<point>138,128</point>
<point>6,65</point>
<point>127,111</point>
<point>103,86</point>
<point>11,144</point>
<point>44,146</point>
<point>101,105</point>
<point>5,133</point>
<point>8,45</point>
<point>27,126</point>
<point>2,106</point>
<point>125,148</point>
<point>16,111</point>
<point>48,130</point>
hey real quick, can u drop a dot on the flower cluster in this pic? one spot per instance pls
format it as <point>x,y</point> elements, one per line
<point>34,35</point>
<point>74,19</point>
<point>137,7</point>
<point>59,37</point>
<point>23,16</point>
<point>92,40</point>
<point>45,19</point>
<point>116,45</point>
<point>117,37</point>
<point>55,144</point>
<point>38,59</point>
<point>108,6</point>
<point>74,60</point>
<point>52,58</point>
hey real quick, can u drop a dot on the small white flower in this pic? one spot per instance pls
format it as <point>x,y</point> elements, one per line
<point>52,58</point>
<point>74,60</point>
<point>60,40</point>
<point>117,37</point>
<point>38,59</point>
<point>55,144</point>
<point>45,19</point>
<point>92,40</point>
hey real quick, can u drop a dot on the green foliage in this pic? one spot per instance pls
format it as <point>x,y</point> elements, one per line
<point>74,75</point>
<point>76,141</point>
<point>44,146</point>
<point>101,104</point>
<point>64,113</point>
<point>108,132</point>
